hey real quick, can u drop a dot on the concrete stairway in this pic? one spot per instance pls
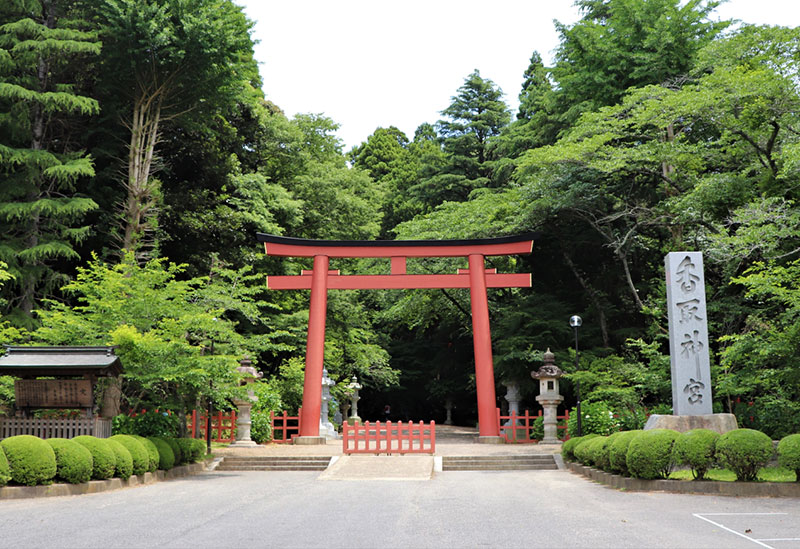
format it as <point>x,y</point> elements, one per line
<point>274,463</point>
<point>499,463</point>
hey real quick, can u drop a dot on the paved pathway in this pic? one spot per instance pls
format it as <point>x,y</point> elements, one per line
<point>452,510</point>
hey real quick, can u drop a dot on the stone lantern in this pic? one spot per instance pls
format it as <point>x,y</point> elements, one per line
<point>548,376</point>
<point>243,422</point>
<point>326,428</point>
<point>353,389</point>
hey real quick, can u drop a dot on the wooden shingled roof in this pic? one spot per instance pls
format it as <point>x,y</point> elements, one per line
<point>63,361</point>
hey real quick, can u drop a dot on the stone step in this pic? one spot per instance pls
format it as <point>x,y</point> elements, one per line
<point>545,458</point>
<point>274,463</point>
<point>272,467</point>
<point>499,467</point>
<point>499,463</point>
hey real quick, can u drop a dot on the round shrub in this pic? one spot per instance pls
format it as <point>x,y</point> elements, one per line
<point>788,454</point>
<point>73,461</point>
<point>605,455</point>
<point>581,448</point>
<point>152,453</point>
<point>176,449</point>
<point>595,451</point>
<point>193,449</point>
<point>568,448</point>
<point>650,454</point>
<point>696,448</point>
<point>166,458</point>
<point>139,455</point>
<point>30,459</point>
<point>618,451</point>
<point>597,417</point>
<point>744,451</point>
<point>5,472</point>
<point>104,462</point>
<point>124,459</point>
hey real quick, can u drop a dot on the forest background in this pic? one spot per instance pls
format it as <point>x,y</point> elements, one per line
<point>139,158</point>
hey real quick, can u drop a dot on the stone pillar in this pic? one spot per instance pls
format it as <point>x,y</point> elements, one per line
<point>513,398</point>
<point>448,406</point>
<point>326,428</point>
<point>244,405</point>
<point>548,376</point>
<point>353,388</point>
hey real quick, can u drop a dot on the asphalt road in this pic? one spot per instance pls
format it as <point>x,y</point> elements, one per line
<point>453,510</point>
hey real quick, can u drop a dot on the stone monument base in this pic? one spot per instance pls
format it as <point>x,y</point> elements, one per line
<point>721,423</point>
<point>309,441</point>
<point>491,440</point>
<point>243,444</point>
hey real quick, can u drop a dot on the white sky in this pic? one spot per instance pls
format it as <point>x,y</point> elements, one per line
<point>376,63</point>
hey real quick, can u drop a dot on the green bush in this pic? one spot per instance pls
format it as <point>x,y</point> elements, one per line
<point>568,448</point>
<point>73,461</point>
<point>696,449</point>
<point>618,451</point>
<point>149,424</point>
<point>152,453</point>
<point>166,457</point>
<point>605,457</point>
<point>773,415</point>
<point>193,449</point>
<point>124,460</point>
<point>744,451</point>
<point>176,450</point>
<point>581,448</point>
<point>261,427</point>
<point>104,461</point>
<point>788,453</point>
<point>650,453</point>
<point>139,454</point>
<point>30,459</point>
<point>5,472</point>
<point>595,452</point>
<point>597,418</point>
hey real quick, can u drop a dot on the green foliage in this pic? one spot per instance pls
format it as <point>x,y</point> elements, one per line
<point>166,457</point>
<point>192,449</point>
<point>148,424</point>
<point>124,459</point>
<point>594,452</point>
<point>789,453</point>
<point>73,461</point>
<point>176,450</point>
<point>30,459</point>
<point>598,418</point>
<point>261,426</point>
<point>581,449</point>
<point>650,454</point>
<point>744,451</point>
<point>696,448</point>
<point>5,472</point>
<point>104,460</point>
<point>152,453</point>
<point>568,448</point>
<point>139,452</point>
<point>618,451</point>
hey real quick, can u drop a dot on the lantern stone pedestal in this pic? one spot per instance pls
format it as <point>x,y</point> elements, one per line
<point>326,428</point>
<point>243,423</point>
<point>513,398</point>
<point>548,376</point>
<point>353,388</point>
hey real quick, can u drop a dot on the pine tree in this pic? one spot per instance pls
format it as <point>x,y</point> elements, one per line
<point>40,158</point>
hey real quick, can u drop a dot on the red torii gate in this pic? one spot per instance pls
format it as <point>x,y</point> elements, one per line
<point>319,280</point>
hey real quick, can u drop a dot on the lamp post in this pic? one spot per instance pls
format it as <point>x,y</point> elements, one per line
<point>575,321</point>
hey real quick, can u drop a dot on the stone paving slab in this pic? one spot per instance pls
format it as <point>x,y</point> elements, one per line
<point>380,468</point>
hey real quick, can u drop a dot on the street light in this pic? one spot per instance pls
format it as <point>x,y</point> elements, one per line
<point>575,321</point>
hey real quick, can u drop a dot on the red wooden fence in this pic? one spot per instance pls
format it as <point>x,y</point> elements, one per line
<point>288,432</point>
<point>520,427</point>
<point>389,438</point>
<point>221,423</point>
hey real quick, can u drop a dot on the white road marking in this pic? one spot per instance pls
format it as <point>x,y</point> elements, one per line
<point>734,531</point>
<point>779,539</point>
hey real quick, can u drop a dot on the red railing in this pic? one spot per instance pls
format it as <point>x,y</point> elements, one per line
<point>220,424</point>
<point>281,424</point>
<point>520,426</point>
<point>389,438</point>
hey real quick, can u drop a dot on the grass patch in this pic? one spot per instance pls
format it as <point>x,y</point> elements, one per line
<point>765,474</point>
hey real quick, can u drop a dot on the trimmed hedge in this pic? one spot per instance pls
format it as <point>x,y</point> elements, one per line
<point>176,449</point>
<point>152,453</point>
<point>650,454</point>
<point>104,461</point>
<point>30,459</point>
<point>744,451</point>
<point>618,451</point>
<point>139,454</point>
<point>192,449</point>
<point>73,461</point>
<point>124,459</point>
<point>166,458</point>
<point>595,452</point>
<point>582,449</point>
<point>788,453</point>
<point>5,472</point>
<point>696,449</point>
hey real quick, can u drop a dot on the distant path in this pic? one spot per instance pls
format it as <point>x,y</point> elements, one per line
<point>519,509</point>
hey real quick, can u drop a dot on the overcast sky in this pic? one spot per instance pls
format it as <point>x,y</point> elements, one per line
<point>377,63</point>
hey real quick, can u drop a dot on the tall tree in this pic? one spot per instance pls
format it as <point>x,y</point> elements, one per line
<point>43,46</point>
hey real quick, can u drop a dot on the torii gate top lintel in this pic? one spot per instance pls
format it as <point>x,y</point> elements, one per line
<point>303,247</point>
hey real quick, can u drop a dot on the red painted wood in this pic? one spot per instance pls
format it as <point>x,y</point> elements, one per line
<point>482,343</point>
<point>519,431</point>
<point>309,272</point>
<point>466,271</point>
<point>398,265</point>
<point>400,281</point>
<point>315,349</point>
<point>462,250</point>
<point>281,424</point>
<point>389,438</point>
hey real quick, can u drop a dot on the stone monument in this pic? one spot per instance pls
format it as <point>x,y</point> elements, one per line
<point>688,349</point>
<point>512,397</point>
<point>353,388</point>
<point>244,405</point>
<point>549,397</point>
<point>326,428</point>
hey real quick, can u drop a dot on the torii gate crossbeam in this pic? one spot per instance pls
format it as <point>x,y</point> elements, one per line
<point>320,279</point>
